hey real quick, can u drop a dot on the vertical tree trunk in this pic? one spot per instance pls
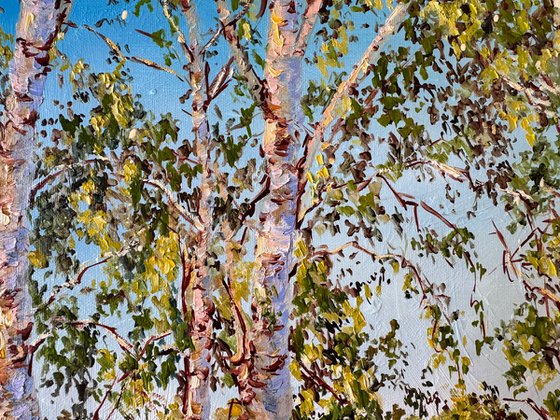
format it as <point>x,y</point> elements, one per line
<point>281,142</point>
<point>38,27</point>
<point>198,397</point>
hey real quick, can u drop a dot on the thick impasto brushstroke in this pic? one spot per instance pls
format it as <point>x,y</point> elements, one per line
<point>198,389</point>
<point>38,27</point>
<point>282,140</point>
<point>241,232</point>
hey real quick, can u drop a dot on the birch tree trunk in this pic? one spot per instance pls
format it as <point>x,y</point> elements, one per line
<point>38,27</point>
<point>198,397</point>
<point>281,143</point>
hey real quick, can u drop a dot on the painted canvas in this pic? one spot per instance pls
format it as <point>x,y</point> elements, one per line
<point>279,209</point>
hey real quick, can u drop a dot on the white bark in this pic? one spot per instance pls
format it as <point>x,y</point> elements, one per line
<point>273,292</point>
<point>37,29</point>
<point>198,403</point>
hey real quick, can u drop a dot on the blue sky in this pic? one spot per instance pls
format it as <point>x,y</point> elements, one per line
<point>160,94</point>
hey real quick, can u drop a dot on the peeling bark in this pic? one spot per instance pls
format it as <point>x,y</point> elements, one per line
<point>38,27</point>
<point>197,391</point>
<point>272,291</point>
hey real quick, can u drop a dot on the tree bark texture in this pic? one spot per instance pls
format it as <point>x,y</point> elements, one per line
<point>198,396</point>
<point>37,29</point>
<point>282,138</point>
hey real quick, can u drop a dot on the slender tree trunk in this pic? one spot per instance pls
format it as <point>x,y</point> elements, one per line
<point>281,143</point>
<point>198,397</point>
<point>38,27</point>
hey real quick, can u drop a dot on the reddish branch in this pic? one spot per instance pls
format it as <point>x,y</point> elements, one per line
<point>318,380</point>
<point>426,286</point>
<point>124,344</point>
<point>74,282</point>
<point>541,411</point>
<point>309,18</point>
<point>509,261</point>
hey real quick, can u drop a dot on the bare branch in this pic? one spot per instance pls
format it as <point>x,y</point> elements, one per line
<point>548,294</point>
<point>221,80</point>
<point>547,84</point>
<point>153,339</point>
<point>372,53</point>
<point>323,250</point>
<point>107,393</point>
<point>140,60</point>
<point>541,411</point>
<point>222,26</point>
<point>189,55</point>
<point>84,268</point>
<point>123,344</point>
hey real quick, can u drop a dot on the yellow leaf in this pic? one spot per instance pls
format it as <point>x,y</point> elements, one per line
<point>246,30</point>
<point>309,177</point>
<point>38,259</point>
<point>273,72</point>
<point>512,121</point>
<point>323,172</point>
<point>531,139</point>
<point>276,36</point>
<point>552,269</point>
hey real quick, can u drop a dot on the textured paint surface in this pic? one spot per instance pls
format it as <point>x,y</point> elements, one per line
<point>37,29</point>
<point>280,194</point>
<point>271,302</point>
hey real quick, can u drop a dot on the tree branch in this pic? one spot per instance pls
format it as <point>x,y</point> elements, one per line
<point>309,19</point>
<point>115,48</point>
<point>221,81</point>
<point>189,55</point>
<point>84,268</point>
<point>182,211</point>
<point>59,170</point>
<point>314,377</point>
<point>222,26</point>
<point>123,344</point>
<point>324,250</point>
<point>257,86</point>
<point>372,53</point>
<point>241,338</point>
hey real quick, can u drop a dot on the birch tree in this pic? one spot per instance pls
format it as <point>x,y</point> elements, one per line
<point>38,28</point>
<point>280,97</point>
<point>316,166</point>
<point>183,234</point>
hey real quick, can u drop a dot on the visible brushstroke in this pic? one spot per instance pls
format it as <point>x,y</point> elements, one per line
<point>358,73</point>
<point>38,27</point>
<point>272,291</point>
<point>197,389</point>
<point>309,18</point>
<point>257,86</point>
